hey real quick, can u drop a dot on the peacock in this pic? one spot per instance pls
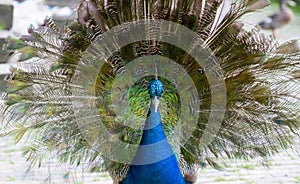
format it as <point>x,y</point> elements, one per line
<point>279,19</point>
<point>152,90</point>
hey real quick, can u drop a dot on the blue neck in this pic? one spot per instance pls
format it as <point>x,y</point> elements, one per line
<point>154,161</point>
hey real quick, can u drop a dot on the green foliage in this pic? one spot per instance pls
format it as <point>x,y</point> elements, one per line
<point>297,178</point>
<point>2,27</point>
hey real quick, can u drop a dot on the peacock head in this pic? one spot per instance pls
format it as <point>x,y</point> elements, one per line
<point>156,89</point>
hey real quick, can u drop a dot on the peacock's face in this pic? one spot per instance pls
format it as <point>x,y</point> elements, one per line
<point>156,89</point>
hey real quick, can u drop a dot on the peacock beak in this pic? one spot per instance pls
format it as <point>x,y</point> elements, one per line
<point>155,102</point>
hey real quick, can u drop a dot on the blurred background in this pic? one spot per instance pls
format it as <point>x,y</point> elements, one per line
<point>15,18</point>
<point>17,15</point>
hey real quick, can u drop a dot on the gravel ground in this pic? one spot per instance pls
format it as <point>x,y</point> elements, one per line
<point>283,168</point>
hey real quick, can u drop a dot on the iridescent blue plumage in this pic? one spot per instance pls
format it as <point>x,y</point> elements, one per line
<point>155,161</point>
<point>156,88</point>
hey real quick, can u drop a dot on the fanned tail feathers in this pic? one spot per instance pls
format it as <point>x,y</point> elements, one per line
<point>262,109</point>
